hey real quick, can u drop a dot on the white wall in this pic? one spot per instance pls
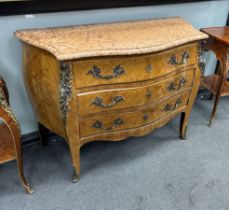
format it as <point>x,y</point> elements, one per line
<point>202,14</point>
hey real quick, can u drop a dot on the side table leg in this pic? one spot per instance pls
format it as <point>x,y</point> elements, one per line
<point>25,184</point>
<point>216,103</point>
<point>16,138</point>
<point>219,91</point>
<point>43,134</point>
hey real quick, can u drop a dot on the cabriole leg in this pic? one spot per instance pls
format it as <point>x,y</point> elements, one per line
<point>75,156</point>
<point>183,125</point>
<point>213,114</point>
<point>223,77</point>
<point>16,137</point>
<point>43,134</point>
<point>25,184</point>
<point>74,148</point>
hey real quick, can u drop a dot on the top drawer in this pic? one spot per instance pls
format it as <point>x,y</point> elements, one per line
<point>122,69</point>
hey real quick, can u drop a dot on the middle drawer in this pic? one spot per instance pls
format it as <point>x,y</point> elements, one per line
<point>106,100</point>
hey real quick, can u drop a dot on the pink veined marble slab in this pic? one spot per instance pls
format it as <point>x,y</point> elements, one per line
<point>121,38</point>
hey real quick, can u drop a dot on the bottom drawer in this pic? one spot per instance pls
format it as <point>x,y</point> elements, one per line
<point>108,122</point>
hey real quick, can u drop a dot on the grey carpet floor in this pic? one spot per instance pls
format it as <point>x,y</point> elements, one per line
<point>157,171</point>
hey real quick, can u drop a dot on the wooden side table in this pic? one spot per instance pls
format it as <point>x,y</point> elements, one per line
<point>10,144</point>
<point>217,83</point>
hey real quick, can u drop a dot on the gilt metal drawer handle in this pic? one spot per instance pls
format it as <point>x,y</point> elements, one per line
<point>145,117</point>
<point>149,68</point>
<point>149,94</point>
<point>99,125</point>
<point>173,59</point>
<point>96,72</point>
<point>171,107</point>
<point>98,101</point>
<point>173,86</point>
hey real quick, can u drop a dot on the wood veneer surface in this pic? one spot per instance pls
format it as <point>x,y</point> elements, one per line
<point>7,151</point>
<point>212,83</point>
<point>219,33</point>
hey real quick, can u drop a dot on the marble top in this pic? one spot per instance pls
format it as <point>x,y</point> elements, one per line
<point>120,38</point>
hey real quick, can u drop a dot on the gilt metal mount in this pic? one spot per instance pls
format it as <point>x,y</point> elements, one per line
<point>173,59</point>
<point>4,102</point>
<point>171,107</point>
<point>98,101</point>
<point>96,72</point>
<point>65,88</point>
<point>201,60</point>
<point>173,86</point>
<point>99,125</point>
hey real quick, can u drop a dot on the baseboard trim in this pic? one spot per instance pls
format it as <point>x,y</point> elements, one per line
<point>34,138</point>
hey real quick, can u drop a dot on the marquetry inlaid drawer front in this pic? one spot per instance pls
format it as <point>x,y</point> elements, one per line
<point>106,100</point>
<point>122,69</point>
<point>108,122</point>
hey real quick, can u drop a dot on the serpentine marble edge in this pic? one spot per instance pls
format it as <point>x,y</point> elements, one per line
<point>120,38</point>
